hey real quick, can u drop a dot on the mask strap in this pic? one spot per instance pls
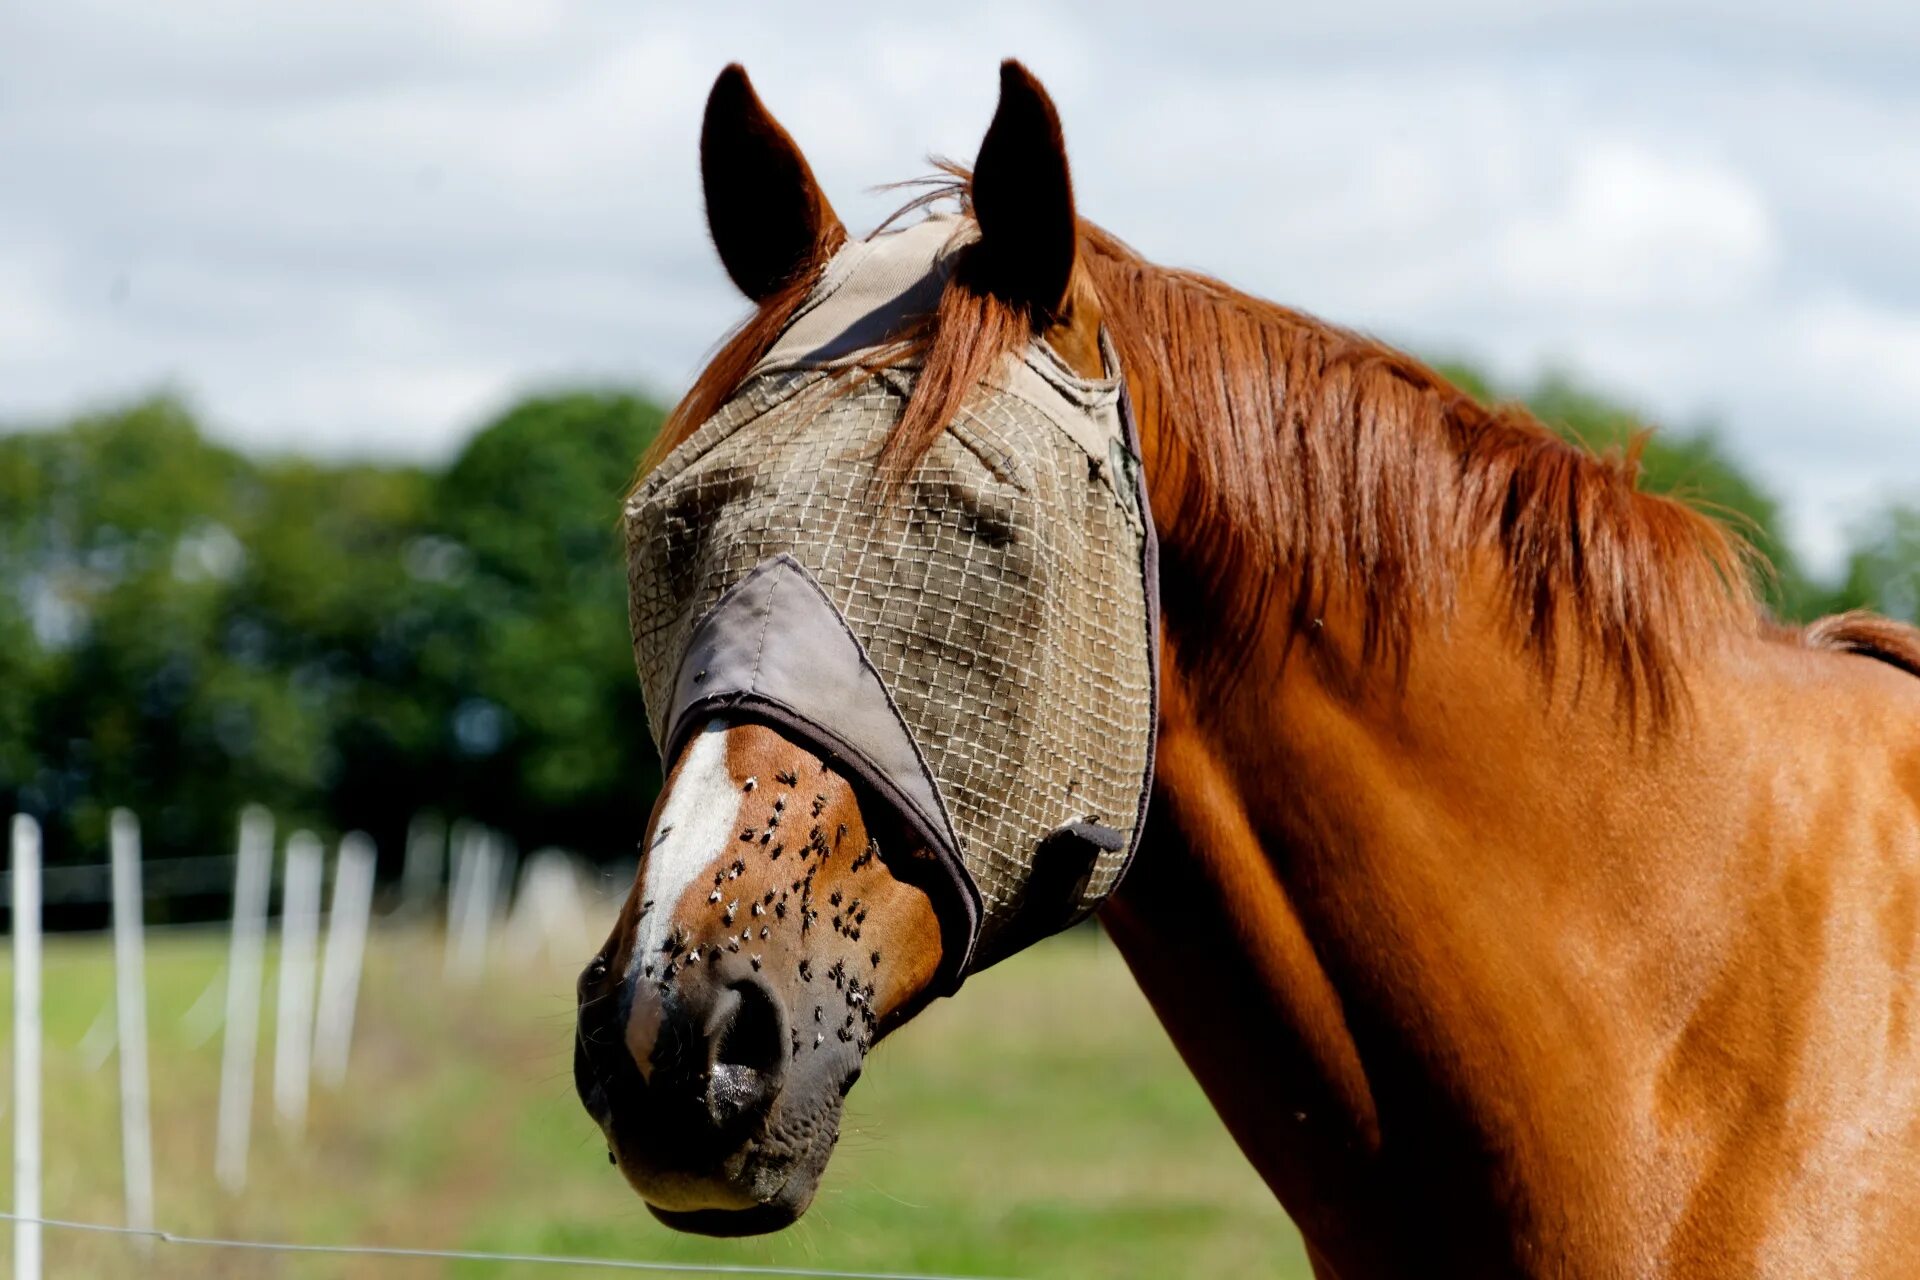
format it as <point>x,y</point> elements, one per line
<point>1063,863</point>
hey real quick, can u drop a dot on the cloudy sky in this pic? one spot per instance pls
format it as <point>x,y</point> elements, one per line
<point>355,228</point>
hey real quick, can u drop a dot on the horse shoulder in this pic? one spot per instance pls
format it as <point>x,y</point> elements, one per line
<point>1788,1081</point>
<point>1874,656</point>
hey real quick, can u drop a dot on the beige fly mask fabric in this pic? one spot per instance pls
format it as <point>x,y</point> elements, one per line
<point>980,649</point>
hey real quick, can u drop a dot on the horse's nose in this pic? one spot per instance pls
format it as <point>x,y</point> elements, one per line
<point>712,1045</point>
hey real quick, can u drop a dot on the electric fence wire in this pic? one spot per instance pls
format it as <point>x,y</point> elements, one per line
<point>475,1255</point>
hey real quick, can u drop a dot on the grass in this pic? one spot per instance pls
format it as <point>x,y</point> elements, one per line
<point>1037,1125</point>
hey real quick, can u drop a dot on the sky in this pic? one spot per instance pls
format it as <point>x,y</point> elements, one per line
<point>357,227</point>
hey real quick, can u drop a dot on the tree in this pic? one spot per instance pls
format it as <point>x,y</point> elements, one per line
<point>1883,570</point>
<point>188,631</point>
<point>547,730</point>
<point>113,547</point>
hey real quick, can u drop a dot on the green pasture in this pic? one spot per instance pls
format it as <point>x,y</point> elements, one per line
<point>1038,1125</point>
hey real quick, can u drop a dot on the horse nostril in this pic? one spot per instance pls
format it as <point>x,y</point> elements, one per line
<point>753,1036</point>
<point>590,977</point>
<point>749,1053</point>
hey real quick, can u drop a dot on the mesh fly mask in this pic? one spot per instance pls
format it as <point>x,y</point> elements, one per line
<point>980,649</point>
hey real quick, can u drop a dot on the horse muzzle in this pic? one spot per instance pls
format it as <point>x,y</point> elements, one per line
<point>708,1110</point>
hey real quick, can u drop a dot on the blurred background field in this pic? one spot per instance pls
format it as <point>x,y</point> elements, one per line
<point>330,334</point>
<point>1040,1126</point>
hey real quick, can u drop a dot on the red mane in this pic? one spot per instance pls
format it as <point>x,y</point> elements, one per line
<point>1297,460</point>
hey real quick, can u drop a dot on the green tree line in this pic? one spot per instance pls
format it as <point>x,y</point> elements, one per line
<point>185,629</point>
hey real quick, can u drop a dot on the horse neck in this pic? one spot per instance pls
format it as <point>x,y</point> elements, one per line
<point>1350,858</point>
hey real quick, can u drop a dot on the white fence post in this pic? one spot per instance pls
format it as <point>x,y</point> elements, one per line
<point>252,885</point>
<point>506,869</point>
<point>299,936</point>
<point>346,945</point>
<point>476,914</point>
<point>461,843</point>
<point>547,912</point>
<point>130,1004</point>
<point>25,841</point>
<point>425,870</point>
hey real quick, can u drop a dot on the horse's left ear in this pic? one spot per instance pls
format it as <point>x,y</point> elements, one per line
<point>769,219</point>
<point>1023,199</point>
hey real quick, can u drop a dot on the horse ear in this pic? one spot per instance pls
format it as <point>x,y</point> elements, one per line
<point>1023,198</point>
<point>768,217</point>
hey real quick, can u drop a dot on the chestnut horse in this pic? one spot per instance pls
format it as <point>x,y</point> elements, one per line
<point>1525,901</point>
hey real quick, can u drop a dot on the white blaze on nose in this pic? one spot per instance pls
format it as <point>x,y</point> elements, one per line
<point>701,816</point>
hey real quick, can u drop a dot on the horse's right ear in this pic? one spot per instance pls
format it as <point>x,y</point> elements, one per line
<point>768,217</point>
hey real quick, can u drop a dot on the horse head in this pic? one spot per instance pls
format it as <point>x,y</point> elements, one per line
<point>1516,978</point>
<point>847,615</point>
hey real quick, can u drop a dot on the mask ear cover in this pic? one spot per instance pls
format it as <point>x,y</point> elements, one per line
<point>1063,863</point>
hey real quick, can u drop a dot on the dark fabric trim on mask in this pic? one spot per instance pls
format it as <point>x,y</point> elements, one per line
<point>812,677</point>
<point>1063,863</point>
<point>1150,585</point>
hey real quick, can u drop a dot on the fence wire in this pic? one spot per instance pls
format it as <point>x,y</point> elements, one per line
<point>475,1255</point>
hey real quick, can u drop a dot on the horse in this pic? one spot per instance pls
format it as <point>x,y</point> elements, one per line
<point>1524,898</point>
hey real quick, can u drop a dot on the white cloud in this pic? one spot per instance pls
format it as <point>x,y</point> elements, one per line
<point>353,225</point>
<point>1636,229</point>
<point>1874,349</point>
<point>397,408</point>
<point>33,326</point>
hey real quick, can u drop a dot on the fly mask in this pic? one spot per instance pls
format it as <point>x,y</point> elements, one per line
<point>979,647</point>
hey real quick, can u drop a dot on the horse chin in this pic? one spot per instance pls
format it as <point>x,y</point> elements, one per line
<point>760,1220</point>
<point>741,1205</point>
<point>763,1186</point>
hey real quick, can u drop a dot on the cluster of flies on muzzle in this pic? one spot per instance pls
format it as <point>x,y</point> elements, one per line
<point>744,922</point>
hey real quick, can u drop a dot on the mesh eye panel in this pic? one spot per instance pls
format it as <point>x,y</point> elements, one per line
<point>999,596</point>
